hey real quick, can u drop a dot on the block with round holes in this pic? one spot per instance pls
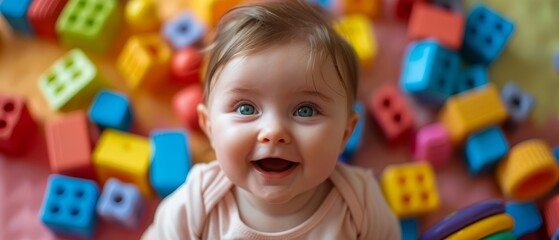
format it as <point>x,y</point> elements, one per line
<point>144,61</point>
<point>15,13</point>
<point>484,149</point>
<point>43,15</point>
<point>486,35</point>
<point>410,189</point>
<point>519,103</point>
<point>369,8</point>
<point>526,217</point>
<point>404,8</point>
<point>121,203</point>
<point>550,211</point>
<point>354,141</point>
<point>16,124</point>
<point>432,144</point>
<point>68,206</point>
<point>171,161</point>
<point>428,21</point>
<point>359,32</point>
<point>183,31</point>
<point>210,11</point>
<point>71,82</point>
<point>470,78</point>
<point>124,156</point>
<point>111,109</point>
<point>391,112</point>
<point>456,6</point>
<point>141,15</point>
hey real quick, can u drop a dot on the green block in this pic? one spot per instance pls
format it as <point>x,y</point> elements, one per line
<point>71,82</point>
<point>505,235</point>
<point>89,24</point>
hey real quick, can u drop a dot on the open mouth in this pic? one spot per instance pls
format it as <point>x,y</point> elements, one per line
<point>274,165</point>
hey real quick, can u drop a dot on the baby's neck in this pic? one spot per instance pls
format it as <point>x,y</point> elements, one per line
<point>267,217</point>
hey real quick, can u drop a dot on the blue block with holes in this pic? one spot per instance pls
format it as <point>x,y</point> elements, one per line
<point>485,148</point>
<point>526,217</point>
<point>121,203</point>
<point>456,6</point>
<point>429,72</point>
<point>355,140</point>
<point>68,206</point>
<point>183,31</point>
<point>410,229</point>
<point>519,103</point>
<point>15,13</point>
<point>472,77</point>
<point>171,161</point>
<point>111,110</point>
<point>486,35</point>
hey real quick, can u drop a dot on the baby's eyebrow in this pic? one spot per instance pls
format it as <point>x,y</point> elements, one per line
<point>238,90</point>
<point>317,94</point>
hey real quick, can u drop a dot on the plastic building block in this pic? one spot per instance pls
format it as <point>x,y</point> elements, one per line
<point>410,229</point>
<point>486,35</point>
<point>359,32</point>
<point>185,103</point>
<point>556,153</point>
<point>68,206</point>
<point>429,72</point>
<point>42,15</point>
<point>432,144</point>
<point>410,189</point>
<point>556,60</point>
<point>472,111</point>
<point>69,145</point>
<point>71,82</point>
<point>529,172</point>
<point>370,8</point>
<point>356,137</point>
<point>141,15</point>
<point>183,31</point>
<point>550,211</point>
<point>210,11</point>
<point>15,13</point>
<point>526,216</point>
<point>471,77</point>
<point>464,217</point>
<point>504,235</point>
<point>124,156</point>
<point>519,103</point>
<point>328,5</point>
<point>456,6</point>
<point>121,203</point>
<point>392,113</point>
<point>16,124</point>
<point>111,110</point>
<point>485,148</point>
<point>485,227</point>
<point>144,60</point>
<point>555,235</point>
<point>89,24</point>
<point>186,65</point>
<point>428,21</point>
<point>170,162</point>
<point>405,7</point>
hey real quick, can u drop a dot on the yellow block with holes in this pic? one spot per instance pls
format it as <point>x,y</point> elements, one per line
<point>124,156</point>
<point>529,172</point>
<point>472,111</point>
<point>210,11</point>
<point>144,60</point>
<point>484,227</point>
<point>369,8</point>
<point>410,189</point>
<point>358,31</point>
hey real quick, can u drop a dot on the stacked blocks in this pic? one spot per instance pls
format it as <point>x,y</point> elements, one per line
<point>124,156</point>
<point>485,148</point>
<point>210,11</point>
<point>519,103</point>
<point>43,15</point>
<point>89,24</point>
<point>410,229</point>
<point>171,161</point>
<point>485,36</point>
<point>71,82</point>
<point>121,203</point>
<point>456,6</point>
<point>111,110</point>
<point>183,31</point>
<point>526,216</point>
<point>354,141</point>
<point>429,72</point>
<point>486,227</point>
<point>141,15</point>
<point>69,146</point>
<point>359,32</point>
<point>551,214</point>
<point>16,124</point>
<point>370,8</point>
<point>410,189</point>
<point>69,206</point>
<point>504,235</point>
<point>428,21</point>
<point>144,60</point>
<point>471,77</point>
<point>529,172</point>
<point>392,113</point>
<point>15,12</point>
<point>433,144</point>
<point>185,103</point>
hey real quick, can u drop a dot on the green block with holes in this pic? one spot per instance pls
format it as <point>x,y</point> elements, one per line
<point>71,82</point>
<point>89,24</point>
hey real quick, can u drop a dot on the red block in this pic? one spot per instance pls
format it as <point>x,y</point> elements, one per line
<point>69,142</point>
<point>42,15</point>
<point>551,215</point>
<point>186,65</point>
<point>391,112</point>
<point>185,103</point>
<point>404,8</point>
<point>432,22</point>
<point>16,124</point>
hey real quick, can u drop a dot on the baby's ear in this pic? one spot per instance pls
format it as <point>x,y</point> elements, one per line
<point>350,127</point>
<point>204,120</point>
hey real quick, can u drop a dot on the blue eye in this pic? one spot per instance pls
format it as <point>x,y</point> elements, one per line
<point>246,109</point>
<point>305,111</point>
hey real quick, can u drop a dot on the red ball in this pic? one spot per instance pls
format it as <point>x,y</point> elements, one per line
<point>186,65</point>
<point>184,104</point>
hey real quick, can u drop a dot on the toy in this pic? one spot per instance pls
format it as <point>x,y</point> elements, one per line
<point>183,31</point>
<point>184,104</point>
<point>370,8</point>
<point>410,229</point>
<point>15,13</point>
<point>550,211</point>
<point>141,15</point>
<point>520,104</point>
<point>391,112</point>
<point>432,144</point>
<point>485,148</point>
<point>42,15</point>
<point>484,227</point>
<point>16,124</point>
<point>471,77</point>
<point>121,203</point>
<point>171,161</point>
<point>504,235</point>
<point>404,8</point>
<point>456,6</point>
<point>526,216</point>
<point>358,31</point>
<point>428,21</point>
<point>111,110</point>
<point>186,65</point>
<point>210,11</point>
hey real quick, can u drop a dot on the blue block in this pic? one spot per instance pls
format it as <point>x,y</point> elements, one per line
<point>183,31</point>
<point>456,6</point>
<point>410,229</point>
<point>170,162</point>
<point>15,12</point>
<point>486,35</point>
<point>556,153</point>
<point>354,141</point>
<point>111,110</point>
<point>485,148</point>
<point>121,203</point>
<point>556,60</point>
<point>325,4</point>
<point>526,216</point>
<point>429,72</point>
<point>472,77</point>
<point>69,206</point>
<point>519,103</point>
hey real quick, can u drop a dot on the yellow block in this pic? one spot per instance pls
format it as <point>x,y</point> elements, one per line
<point>141,15</point>
<point>358,31</point>
<point>529,172</point>
<point>144,60</point>
<point>210,11</point>
<point>410,189</point>
<point>124,156</point>
<point>472,111</point>
<point>369,8</point>
<point>484,227</point>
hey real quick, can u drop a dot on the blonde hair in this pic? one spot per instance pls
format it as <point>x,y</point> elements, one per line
<point>253,27</point>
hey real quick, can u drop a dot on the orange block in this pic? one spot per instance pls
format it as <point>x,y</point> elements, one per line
<point>427,21</point>
<point>392,113</point>
<point>370,8</point>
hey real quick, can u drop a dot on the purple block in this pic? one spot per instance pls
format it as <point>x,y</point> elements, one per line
<point>121,203</point>
<point>183,31</point>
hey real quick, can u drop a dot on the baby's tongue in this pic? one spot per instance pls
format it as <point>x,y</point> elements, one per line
<point>274,164</point>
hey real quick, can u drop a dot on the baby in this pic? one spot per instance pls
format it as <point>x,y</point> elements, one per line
<point>280,86</point>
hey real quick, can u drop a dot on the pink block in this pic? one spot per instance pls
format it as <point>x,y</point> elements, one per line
<point>433,144</point>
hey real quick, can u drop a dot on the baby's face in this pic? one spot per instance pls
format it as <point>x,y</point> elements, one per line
<point>276,132</point>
